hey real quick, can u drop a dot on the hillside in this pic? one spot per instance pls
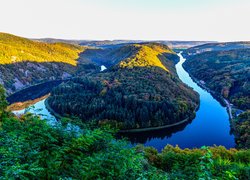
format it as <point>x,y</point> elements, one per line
<point>24,62</point>
<point>110,55</point>
<point>134,96</point>
<point>226,72</point>
<point>127,55</point>
<point>147,55</point>
<point>15,49</point>
<point>242,130</point>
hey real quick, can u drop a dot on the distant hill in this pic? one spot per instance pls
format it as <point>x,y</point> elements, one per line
<point>54,40</point>
<point>24,62</point>
<point>142,90</point>
<point>183,44</point>
<point>217,47</point>
<point>116,43</point>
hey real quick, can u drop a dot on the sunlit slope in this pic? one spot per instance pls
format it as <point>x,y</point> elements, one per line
<point>17,49</point>
<point>148,55</point>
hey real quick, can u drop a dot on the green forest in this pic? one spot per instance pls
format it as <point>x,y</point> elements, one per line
<point>242,129</point>
<point>32,149</point>
<point>225,72</point>
<point>129,95</point>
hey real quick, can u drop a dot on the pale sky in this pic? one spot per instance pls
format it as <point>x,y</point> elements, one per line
<point>220,20</point>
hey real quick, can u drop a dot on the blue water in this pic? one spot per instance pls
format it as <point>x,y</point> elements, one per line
<point>40,109</point>
<point>210,126</point>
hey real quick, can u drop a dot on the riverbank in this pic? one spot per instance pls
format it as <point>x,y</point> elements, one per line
<point>23,105</point>
<point>34,92</point>
<point>237,127</point>
<point>55,114</point>
<point>155,128</point>
<point>224,102</point>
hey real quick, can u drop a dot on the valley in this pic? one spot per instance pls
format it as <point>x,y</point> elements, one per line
<point>142,88</point>
<point>144,92</point>
<point>189,134</point>
<point>125,90</point>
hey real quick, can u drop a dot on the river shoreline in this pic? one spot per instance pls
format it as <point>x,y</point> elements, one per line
<point>155,128</point>
<point>55,114</point>
<point>34,92</point>
<point>223,101</point>
<point>23,105</point>
<point>36,84</point>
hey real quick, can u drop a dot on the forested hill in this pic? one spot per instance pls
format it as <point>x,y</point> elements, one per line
<point>139,91</point>
<point>147,55</point>
<point>15,49</point>
<point>226,72</point>
<point>130,55</point>
<point>24,62</point>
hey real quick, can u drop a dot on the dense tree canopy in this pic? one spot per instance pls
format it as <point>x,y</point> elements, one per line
<point>225,72</point>
<point>242,129</point>
<point>3,102</point>
<point>134,99</point>
<point>203,163</point>
<point>135,95</point>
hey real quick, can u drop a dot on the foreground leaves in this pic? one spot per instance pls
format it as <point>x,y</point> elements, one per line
<point>30,148</point>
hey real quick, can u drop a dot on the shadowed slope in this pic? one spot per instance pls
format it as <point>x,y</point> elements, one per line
<point>24,62</point>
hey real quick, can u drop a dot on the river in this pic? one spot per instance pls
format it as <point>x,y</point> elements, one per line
<point>210,126</point>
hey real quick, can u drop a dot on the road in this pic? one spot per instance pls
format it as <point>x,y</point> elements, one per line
<point>229,107</point>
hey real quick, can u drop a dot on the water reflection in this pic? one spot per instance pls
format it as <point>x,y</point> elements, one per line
<point>143,137</point>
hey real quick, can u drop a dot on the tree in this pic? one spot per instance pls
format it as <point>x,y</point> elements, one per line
<point>32,149</point>
<point>3,102</point>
